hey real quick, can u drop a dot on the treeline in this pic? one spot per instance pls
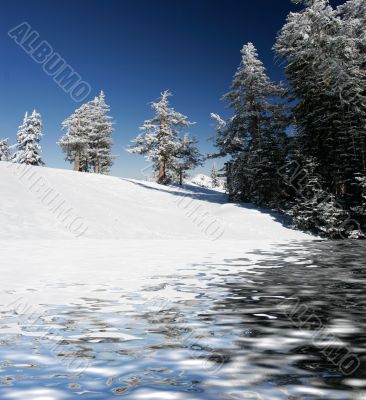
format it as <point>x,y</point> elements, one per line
<point>87,141</point>
<point>300,148</point>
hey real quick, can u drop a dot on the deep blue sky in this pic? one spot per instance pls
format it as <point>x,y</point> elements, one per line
<point>133,49</point>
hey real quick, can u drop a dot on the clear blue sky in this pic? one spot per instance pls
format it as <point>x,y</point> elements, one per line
<point>133,49</point>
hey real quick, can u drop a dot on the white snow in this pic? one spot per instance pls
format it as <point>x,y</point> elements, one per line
<point>206,182</point>
<point>44,203</point>
<point>131,232</point>
<point>134,237</point>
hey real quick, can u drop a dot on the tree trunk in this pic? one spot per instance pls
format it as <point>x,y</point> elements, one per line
<point>180,177</point>
<point>161,177</point>
<point>229,188</point>
<point>96,165</point>
<point>77,162</point>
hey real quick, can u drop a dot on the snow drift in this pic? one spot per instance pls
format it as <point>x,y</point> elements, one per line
<point>44,203</point>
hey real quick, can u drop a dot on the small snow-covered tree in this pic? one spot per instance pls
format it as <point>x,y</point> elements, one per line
<point>5,154</point>
<point>214,176</point>
<point>74,142</point>
<point>186,157</point>
<point>100,135</point>
<point>316,210</point>
<point>331,218</point>
<point>28,149</point>
<point>159,140</point>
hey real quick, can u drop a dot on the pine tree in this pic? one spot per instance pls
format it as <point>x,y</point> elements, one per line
<point>325,65</point>
<point>361,183</point>
<point>28,138</point>
<point>348,83</point>
<point>159,140</point>
<point>324,50</point>
<point>302,45</point>
<point>100,136</point>
<point>331,218</point>
<point>255,135</point>
<point>75,141</point>
<point>4,150</point>
<point>214,176</point>
<point>186,157</point>
<point>87,141</point>
<point>309,194</point>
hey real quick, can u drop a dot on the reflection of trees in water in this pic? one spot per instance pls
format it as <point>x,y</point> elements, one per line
<point>327,297</point>
<point>327,277</point>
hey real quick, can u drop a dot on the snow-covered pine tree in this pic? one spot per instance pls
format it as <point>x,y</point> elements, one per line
<point>348,84</point>
<point>159,140</point>
<point>361,182</point>
<point>5,154</point>
<point>324,51</point>
<point>74,142</point>
<point>331,218</point>
<point>254,136</point>
<point>100,136</point>
<point>314,210</point>
<point>28,149</point>
<point>309,194</point>
<point>186,157</point>
<point>214,176</point>
<point>301,44</point>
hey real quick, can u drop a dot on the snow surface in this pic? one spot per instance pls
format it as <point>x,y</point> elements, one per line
<point>103,207</point>
<point>206,182</point>
<point>128,236</point>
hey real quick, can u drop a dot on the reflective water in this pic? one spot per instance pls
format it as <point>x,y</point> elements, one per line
<point>292,327</point>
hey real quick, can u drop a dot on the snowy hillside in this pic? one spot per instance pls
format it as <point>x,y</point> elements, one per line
<point>43,203</point>
<point>206,182</point>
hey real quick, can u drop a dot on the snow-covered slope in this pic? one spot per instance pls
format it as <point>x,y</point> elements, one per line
<point>43,203</point>
<point>206,182</point>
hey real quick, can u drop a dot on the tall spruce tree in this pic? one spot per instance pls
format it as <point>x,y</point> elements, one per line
<point>159,140</point>
<point>74,142</point>
<point>324,50</point>
<point>255,135</point>
<point>87,141</point>
<point>100,135</point>
<point>28,149</point>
